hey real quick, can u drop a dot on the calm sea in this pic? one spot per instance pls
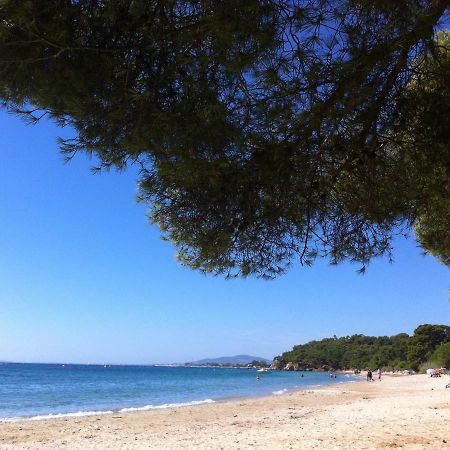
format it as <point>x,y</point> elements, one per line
<point>39,391</point>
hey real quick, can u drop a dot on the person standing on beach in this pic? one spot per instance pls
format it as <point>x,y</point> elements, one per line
<point>369,375</point>
<point>379,374</point>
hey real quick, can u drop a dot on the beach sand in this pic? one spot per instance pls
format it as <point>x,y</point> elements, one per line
<point>411,412</point>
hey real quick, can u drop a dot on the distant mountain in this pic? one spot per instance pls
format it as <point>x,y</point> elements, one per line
<point>238,359</point>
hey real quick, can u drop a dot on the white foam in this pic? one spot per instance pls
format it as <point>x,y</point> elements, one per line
<point>280,392</point>
<point>101,413</point>
<point>55,416</point>
<point>167,405</point>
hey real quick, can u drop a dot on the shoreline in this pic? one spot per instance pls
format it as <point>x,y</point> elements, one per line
<point>398,412</point>
<point>150,407</point>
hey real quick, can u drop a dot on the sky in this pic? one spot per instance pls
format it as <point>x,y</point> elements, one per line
<point>84,278</point>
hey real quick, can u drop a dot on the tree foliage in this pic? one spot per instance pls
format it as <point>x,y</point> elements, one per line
<point>264,130</point>
<point>425,142</point>
<point>442,355</point>
<point>368,352</point>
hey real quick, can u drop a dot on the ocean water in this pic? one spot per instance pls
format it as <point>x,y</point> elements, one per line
<point>40,391</point>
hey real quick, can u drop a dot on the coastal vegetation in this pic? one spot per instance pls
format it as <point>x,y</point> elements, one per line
<point>264,131</point>
<point>428,346</point>
<point>231,361</point>
<point>254,364</point>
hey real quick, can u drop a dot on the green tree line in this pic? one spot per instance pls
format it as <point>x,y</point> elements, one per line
<point>430,344</point>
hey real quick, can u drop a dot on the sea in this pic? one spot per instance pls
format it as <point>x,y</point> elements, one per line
<point>45,391</point>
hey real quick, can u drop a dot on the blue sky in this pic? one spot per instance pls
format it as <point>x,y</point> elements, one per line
<point>84,277</point>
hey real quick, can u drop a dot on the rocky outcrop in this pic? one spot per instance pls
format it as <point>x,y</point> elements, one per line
<point>290,366</point>
<point>277,365</point>
<point>299,366</point>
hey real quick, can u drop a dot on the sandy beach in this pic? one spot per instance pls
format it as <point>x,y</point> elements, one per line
<point>411,412</point>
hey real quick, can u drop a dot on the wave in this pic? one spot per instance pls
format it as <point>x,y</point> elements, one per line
<point>56,416</point>
<point>280,392</point>
<point>101,413</point>
<point>167,405</point>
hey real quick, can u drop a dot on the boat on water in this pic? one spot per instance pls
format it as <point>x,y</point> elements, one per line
<point>264,369</point>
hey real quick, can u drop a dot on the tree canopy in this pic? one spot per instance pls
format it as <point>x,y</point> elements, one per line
<point>265,130</point>
<point>429,344</point>
<point>442,355</point>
